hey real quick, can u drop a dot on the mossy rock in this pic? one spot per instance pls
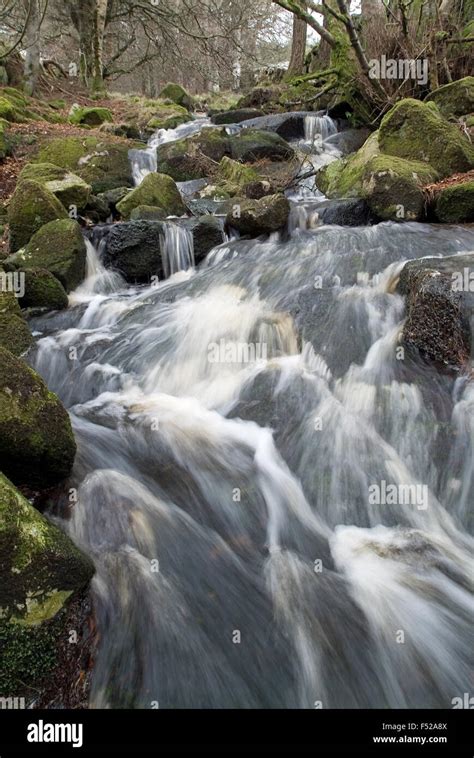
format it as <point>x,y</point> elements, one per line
<point>58,247</point>
<point>148,213</point>
<point>393,187</point>
<point>37,445</point>
<point>256,217</point>
<point>31,206</point>
<point>70,189</point>
<point>251,145</point>
<point>101,163</point>
<point>3,140</point>
<point>168,116</point>
<point>344,177</point>
<point>417,131</point>
<point>155,190</point>
<point>454,99</point>
<point>8,110</point>
<point>455,204</point>
<point>177,94</point>
<point>41,572</point>
<point>91,116</point>
<point>57,104</point>
<point>232,176</point>
<point>15,334</point>
<point>43,290</point>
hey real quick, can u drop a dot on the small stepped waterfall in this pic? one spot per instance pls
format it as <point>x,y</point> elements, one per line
<point>230,425</point>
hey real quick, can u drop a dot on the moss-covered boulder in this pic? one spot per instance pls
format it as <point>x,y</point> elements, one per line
<point>43,290</point>
<point>90,116</point>
<point>37,446</point>
<point>393,187</point>
<point>256,217</point>
<point>156,190</point>
<point>14,331</point>
<point>251,145</point>
<point>148,213</point>
<point>58,247</point>
<point>101,163</point>
<point>232,176</point>
<point>168,116</point>
<point>178,94</point>
<point>344,177</point>
<point>31,206</point>
<point>454,99</point>
<point>455,204</point>
<point>236,116</point>
<point>417,131</point>
<point>41,572</point>
<point>69,188</point>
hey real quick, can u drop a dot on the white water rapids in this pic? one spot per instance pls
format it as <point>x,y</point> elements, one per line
<point>225,502</point>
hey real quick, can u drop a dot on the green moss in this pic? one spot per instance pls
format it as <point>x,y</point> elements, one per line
<point>393,187</point>
<point>178,94</point>
<point>455,204</point>
<point>91,116</point>
<point>43,290</point>
<point>102,164</point>
<point>344,177</point>
<point>233,176</point>
<point>148,212</point>
<point>67,187</point>
<point>36,442</point>
<point>31,206</point>
<point>156,190</point>
<point>417,131</point>
<point>58,247</point>
<point>454,99</point>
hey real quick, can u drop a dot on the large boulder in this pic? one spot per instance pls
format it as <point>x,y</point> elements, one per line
<point>455,203</point>
<point>101,163</point>
<point>43,290</point>
<point>233,176</point>
<point>252,145</point>
<point>41,574</point>
<point>256,217</point>
<point>236,116</point>
<point>58,247</point>
<point>440,303</point>
<point>391,186</point>
<point>37,446</point>
<point>416,131</point>
<point>290,125</point>
<point>31,206</point>
<point>133,248</point>
<point>178,94</point>
<point>14,331</point>
<point>148,213</point>
<point>67,187</point>
<point>157,190</point>
<point>454,99</point>
<point>90,116</point>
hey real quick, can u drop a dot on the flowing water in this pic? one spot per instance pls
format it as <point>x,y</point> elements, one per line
<point>230,423</point>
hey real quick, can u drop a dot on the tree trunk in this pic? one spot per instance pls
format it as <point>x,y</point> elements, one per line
<point>100,16</point>
<point>32,46</point>
<point>298,45</point>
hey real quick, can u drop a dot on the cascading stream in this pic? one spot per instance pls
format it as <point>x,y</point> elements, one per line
<point>230,423</point>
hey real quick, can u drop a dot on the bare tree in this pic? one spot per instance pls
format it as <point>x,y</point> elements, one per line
<point>298,45</point>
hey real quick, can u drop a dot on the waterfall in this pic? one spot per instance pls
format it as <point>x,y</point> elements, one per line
<point>177,249</point>
<point>98,280</point>
<point>318,127</point>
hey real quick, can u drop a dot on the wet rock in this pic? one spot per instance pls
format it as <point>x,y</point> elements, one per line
<point>58,247</point>
<point>133,249</point>
<point>207,233</point>
<point>148,213</point>
<point>440,309</point>
<point>37,446</point>
<point>349,140</point>
<point>236,116</point>
<point>256,217</point>
<point>352,212</point>
<point>290,126</point>
<point>41,574</point>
